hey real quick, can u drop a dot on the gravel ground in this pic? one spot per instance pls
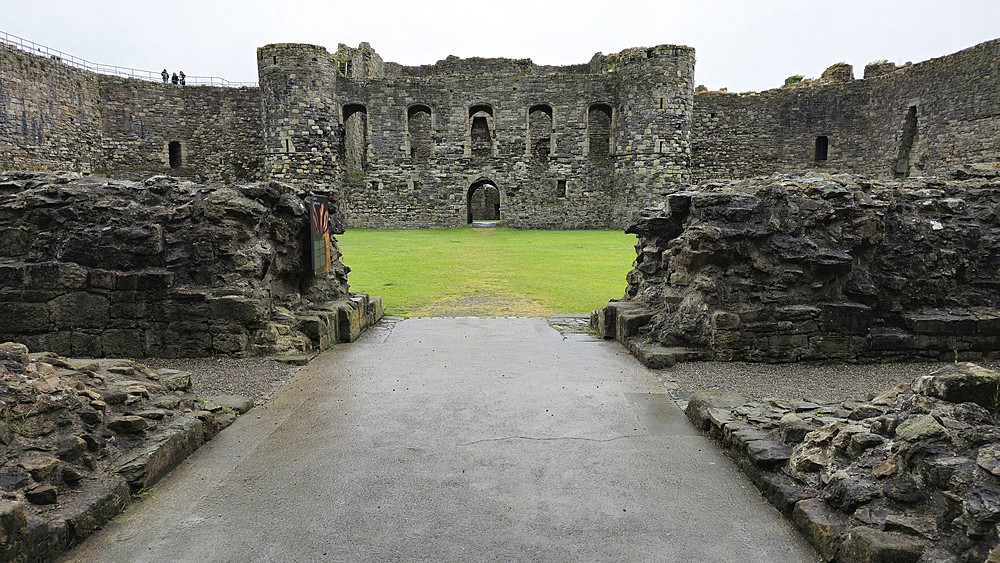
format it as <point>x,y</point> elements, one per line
<point>835,382</point>
<point>818,382</point>
<point>251,377</point>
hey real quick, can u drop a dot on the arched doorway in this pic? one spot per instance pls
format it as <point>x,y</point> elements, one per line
<point>483,201</point>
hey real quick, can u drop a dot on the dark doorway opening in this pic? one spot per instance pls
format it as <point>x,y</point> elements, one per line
<point>822,147</point>
<point>483,201</point>
<point>174,150</point>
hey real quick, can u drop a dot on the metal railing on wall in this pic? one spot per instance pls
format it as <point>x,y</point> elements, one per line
<point>32,48</point>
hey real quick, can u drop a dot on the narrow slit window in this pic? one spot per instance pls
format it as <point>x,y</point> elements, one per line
<point>560,188</point>
<point>822,147</point>
<point>907,139</point>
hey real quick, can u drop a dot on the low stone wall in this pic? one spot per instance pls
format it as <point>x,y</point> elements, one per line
<point>91,267</point>
<point>816,267</point>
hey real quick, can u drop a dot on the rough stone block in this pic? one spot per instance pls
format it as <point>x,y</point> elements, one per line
<point>822,527</point>
<point>230,342</point>
<point>651,354</point>
<point>847,318</point>
<point>867,545</point>
<point>937,322</point>
<point>238,309</point>
<point>87,344</point>
<point>701,401</point>
<point>25,317</point>
<point>122,343</point>
<point>145,281</point>
<point>79,310</point>
<point>146,465</point>
<point>961,383</point>
<point>56,275</point>
<point>767,453</point>
<point>100,501</point>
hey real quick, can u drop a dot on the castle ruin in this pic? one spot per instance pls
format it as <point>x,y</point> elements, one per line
<point>441,145</point>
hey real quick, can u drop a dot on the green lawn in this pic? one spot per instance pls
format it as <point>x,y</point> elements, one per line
<point>487,271</point>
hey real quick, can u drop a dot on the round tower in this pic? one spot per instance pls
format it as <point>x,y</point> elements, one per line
<point>299,105</point>
<point>656,89</point>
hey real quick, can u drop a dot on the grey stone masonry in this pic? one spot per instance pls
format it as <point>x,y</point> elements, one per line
<point>566,147</point>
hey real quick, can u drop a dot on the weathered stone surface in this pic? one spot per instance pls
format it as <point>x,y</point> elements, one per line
<point>918,482</point>
<point>921,428</point>
<point>865,545</point>
<point>822,527</point>
<point>62,478</point>
<point>699,404</point>
<point>811,266</point>
<point>960,383</point>
<point>238,403</point>
<point>41,494</point>
<point>189,270</point>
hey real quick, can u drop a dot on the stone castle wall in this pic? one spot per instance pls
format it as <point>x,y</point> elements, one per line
<point>56,117</point>
<point>410,145</point>
<point>577,146</point>
<point>955,120</point>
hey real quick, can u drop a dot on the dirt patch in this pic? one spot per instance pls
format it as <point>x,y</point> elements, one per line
<point>481,304</point>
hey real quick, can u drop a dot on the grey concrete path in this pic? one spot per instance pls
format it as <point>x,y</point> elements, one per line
<point>464,439</point>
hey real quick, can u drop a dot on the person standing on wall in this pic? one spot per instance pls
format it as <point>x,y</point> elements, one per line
<point>165,75</point>
<point>182,77</point>
<point>173,78</point>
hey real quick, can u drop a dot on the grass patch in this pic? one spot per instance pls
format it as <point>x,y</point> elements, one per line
<point>492,271</point>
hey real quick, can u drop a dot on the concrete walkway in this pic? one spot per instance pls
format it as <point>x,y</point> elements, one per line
<point>469,439</point>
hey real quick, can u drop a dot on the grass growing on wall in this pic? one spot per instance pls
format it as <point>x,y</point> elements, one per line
<point>487,271</point>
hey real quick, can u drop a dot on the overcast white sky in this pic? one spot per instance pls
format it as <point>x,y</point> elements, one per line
<point>745,45</point>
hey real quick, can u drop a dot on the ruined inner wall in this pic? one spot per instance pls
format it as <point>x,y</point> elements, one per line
<point>812,266</point>
<point>956,119</point>
<point>409,145</point>
<point>56,117</point>
<point>166,267</point>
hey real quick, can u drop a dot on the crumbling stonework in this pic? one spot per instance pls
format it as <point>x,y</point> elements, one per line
<point>91,267</point>
<point>818,267</point>
<point>82,437</point>
<point>911,474</point>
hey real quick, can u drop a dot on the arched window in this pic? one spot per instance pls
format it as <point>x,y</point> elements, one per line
<point>418,125</point>
<point>355,138</point>
<point>174,150</point>
<point>540,131</point>
<point>822,146</point>
<point>481,130</point>
<point>599,132</point>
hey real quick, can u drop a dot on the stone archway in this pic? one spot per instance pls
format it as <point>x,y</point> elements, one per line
<point>483,201</point>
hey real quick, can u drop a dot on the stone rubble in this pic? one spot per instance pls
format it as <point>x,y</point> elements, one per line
<point>82,438</point>
<point>910,475</point>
